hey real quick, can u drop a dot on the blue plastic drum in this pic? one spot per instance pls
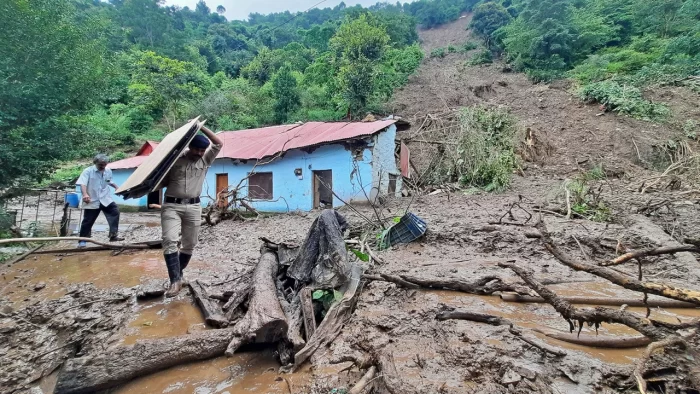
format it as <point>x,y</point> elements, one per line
<point>73,199</point>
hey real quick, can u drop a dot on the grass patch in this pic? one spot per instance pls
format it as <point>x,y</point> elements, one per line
<point>469,46</point>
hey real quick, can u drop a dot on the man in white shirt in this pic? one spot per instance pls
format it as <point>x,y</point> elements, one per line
<point>94,184</point>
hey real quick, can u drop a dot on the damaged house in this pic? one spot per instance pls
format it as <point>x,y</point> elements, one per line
<point>299,166</point>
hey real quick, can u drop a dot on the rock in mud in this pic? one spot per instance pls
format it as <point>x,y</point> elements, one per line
<point>39,286</point>
<point>510,377</point>
<point>150,289</point>
<point>6,328</point>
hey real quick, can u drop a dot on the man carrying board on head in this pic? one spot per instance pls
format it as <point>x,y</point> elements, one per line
<point>181,212</point>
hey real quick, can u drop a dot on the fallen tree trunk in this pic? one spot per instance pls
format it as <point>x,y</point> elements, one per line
<point>597,340</point>
<point>595,316</point>
<point>627,282</point>
<point>337,316</point>
<point>473,316</point>
<point>307,310</point>
<point>392,381</point>
<point>211,310</point>
<point>239,293</point>
<point>484,286</point>
<point>295,321</point>
<point>55,239</point>
<point>650,252</point>
<point>265,321</point>
<point>122,364</point>
<point>366,379</point>
<point>510,297</point>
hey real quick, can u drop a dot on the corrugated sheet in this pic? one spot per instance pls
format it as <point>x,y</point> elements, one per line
<point>133,162</point>
<point>268,141</point>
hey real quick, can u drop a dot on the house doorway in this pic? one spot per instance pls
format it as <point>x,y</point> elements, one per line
<point>221,190</point>
<point>155,198</point>
<point>323,186</point>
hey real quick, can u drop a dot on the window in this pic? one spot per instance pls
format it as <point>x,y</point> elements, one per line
<point>392,184</point>
<point>260,186</point>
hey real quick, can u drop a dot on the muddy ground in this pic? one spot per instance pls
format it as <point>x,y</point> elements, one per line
<point>432,356</point>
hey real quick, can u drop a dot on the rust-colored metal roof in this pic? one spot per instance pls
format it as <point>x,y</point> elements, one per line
<point>132,162</point>
<point>268,141</point>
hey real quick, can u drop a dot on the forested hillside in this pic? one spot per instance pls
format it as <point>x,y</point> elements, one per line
<point>86,75</point>
<point>613,48</point>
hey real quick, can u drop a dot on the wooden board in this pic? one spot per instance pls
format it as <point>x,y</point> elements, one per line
<point>156,166</point>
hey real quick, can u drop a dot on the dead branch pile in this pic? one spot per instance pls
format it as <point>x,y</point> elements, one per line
<point>272,305</point>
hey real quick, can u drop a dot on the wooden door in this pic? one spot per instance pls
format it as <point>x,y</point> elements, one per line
<point>323,186</point>
<point>221,190</point>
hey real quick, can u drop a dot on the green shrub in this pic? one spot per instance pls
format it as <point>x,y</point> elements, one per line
<point>451,49</point>
<point>469,45</point>
<point>117,156</point>
<point>483,153</point>
<point>624,99</point>
<point>438,52</point>
<point>484,56</point>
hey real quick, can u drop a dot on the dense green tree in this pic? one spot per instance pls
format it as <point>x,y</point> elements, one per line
<point>285,93</point>
<point>489,17</point>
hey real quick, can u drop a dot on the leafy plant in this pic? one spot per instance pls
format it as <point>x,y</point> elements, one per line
<point>327,297</point>
<point>623,99</point>
<point>451,49</point>
<point>469,45</point>
<point>482,57</point>
<point>438,52</point>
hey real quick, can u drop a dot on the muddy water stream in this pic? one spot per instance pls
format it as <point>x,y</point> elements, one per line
<point>248,372</point>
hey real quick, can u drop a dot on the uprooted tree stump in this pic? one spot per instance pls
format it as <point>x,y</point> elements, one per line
<point>265,321</point>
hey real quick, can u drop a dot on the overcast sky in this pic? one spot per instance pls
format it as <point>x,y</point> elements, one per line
<point>239,9</point>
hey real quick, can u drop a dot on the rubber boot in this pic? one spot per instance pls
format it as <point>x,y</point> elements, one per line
<point>172,261</point>
<point>115,238</point>
<point>184,260</point>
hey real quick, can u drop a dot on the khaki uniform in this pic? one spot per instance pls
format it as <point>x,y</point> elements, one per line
<point>184,180</point>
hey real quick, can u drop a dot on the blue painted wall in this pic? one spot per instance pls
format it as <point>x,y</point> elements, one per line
<point>352,171</point>
<point>294,193</point>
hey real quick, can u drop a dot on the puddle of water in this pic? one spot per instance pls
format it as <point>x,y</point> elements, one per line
<point>544,316</point>
<point>99,268</point>
<point>164,319</point>
<point>242,373</point>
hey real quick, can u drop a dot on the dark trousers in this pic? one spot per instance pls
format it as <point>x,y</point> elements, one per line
<point>111,212</point>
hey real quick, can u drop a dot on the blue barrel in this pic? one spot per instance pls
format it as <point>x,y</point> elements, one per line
<point>73,199</point>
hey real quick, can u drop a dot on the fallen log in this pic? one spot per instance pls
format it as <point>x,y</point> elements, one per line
<point>264,322</point>
<point>594,316</point>
<point>536,343</point>
<point>295,321</point>
<point>510,297</point>
<point>211,310</point>
<point>650,252</point>
<point>55,239</point>
<point>484,286</point>
<point>122,364</point>
<point>390,377</point>
<point>307,310</point>
<point>239,293</point>
<point>337,316</point>
<point>473,316</point>
<point>627,282</point>
<point>366,379</point>
<point>600,341</point>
